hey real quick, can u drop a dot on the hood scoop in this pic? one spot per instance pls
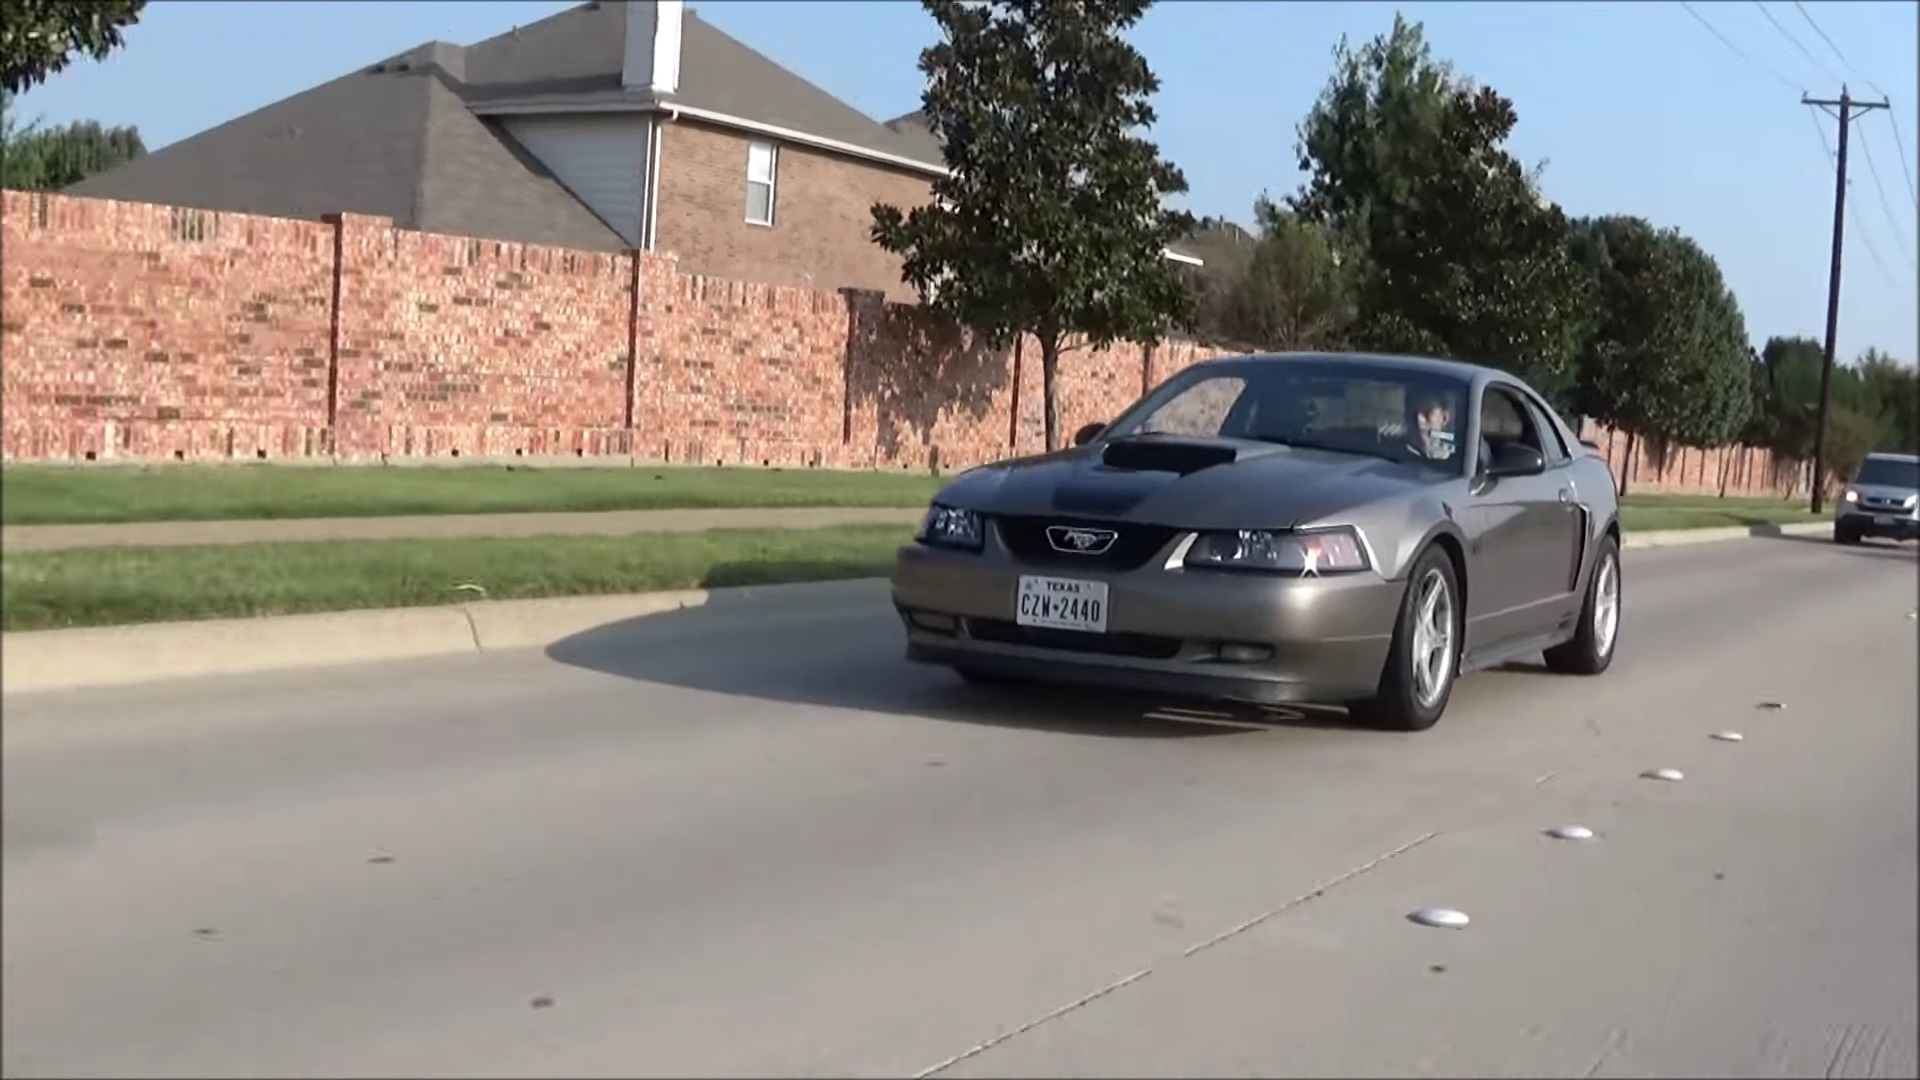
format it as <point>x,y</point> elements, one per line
<point>1182,456</point>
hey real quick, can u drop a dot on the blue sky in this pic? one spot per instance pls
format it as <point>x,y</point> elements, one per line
<point>1634,107</point>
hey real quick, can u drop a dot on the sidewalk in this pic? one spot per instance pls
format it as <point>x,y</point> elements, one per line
<point>441,527</point>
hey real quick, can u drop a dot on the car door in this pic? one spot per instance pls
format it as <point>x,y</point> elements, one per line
<point>1569,534</point>
<point>1520,523</point>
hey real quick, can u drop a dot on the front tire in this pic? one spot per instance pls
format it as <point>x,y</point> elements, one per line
<point>1591,650</point>
<point>1423,660</point>
<point>1844,535</point>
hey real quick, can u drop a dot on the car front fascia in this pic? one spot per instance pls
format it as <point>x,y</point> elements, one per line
<point>1327,635</point>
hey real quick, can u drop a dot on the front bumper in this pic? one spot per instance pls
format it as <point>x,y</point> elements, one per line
<point>1898,524</point>
<point>1321,640</point>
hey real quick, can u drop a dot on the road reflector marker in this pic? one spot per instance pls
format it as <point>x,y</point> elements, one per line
<point>1570,832</point>
<point>1440,918</point>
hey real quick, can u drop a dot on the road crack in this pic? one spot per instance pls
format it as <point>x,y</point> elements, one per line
<point>1034,1023</point>
<point>1316,892</point>
<point>1079,1003</point>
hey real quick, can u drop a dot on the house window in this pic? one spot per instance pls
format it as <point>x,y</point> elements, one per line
<point>760,169</point>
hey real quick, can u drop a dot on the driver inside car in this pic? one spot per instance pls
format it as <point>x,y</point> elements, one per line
<point>1429,428</point>
<point>1433,434</point>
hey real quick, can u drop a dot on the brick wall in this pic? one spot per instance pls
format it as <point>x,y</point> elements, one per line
<point>1682,470</point>
<point>822,213</point>
<point>150,333</point>
<point>144,332</point>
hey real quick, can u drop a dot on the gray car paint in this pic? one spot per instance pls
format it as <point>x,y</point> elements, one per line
<point>1525,546</point>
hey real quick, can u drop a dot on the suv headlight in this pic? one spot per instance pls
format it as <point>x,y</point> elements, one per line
<point>1320,551</point>
<point>1851,495</point>
<point>951,527</point>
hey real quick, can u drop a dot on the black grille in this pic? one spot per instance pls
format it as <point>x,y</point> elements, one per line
<point>1026,538</point>
<point>1143,646</point>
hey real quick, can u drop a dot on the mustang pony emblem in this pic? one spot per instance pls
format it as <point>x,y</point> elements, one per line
<point>1077,541</point>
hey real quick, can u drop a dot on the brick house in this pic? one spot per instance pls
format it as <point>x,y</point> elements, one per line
<point>617,124</point>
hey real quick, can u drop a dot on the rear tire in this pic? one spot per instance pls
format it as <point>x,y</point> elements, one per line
<point>1591,650</point>
<point>1412,696</point>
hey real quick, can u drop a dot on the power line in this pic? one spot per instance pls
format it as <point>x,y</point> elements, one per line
<point>1805,14</point>
<point>1886,205</point>
<point>1866,238</point>
<point>1901,145</point>
<point>1795,40</point>
<point>1739,52</point>
<point>1893,121</point>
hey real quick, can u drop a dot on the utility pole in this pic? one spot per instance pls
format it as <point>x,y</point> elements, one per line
<point>1843,110</point>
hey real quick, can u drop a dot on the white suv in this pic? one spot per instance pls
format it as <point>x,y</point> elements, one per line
<point>1883,499</point>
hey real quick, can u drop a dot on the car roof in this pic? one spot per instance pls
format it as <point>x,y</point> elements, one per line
<point>1422,365</point>
<point>1881,455</point>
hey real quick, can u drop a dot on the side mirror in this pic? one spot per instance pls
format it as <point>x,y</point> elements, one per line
<point>1513,459</point>
<point>1087,434</point>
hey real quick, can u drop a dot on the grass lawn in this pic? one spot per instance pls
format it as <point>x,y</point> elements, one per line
<point>46,495</point>
<point>1649,512</point>
<point>109,586</point>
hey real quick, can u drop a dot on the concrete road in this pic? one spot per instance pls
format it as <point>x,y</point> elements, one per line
<point>750,840</point>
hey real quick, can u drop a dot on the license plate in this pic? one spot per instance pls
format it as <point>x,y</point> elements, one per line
<point>1062,604</point>
<point>1883,519</point>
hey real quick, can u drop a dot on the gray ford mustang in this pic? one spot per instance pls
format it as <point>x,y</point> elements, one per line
<point>1325,528</point>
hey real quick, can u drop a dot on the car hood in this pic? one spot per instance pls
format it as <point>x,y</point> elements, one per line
<point>1187,483</point>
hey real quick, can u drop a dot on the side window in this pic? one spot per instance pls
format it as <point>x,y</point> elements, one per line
<point>1556,448</point>
<point>761,162</point>
<point>1504,419</point>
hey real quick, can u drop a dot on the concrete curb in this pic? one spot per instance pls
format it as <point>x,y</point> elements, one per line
<point>119,655</point>
<point>1677,537</point>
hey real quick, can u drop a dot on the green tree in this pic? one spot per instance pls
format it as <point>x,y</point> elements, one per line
<point>1299,291</point>
<point>50,159</point>
<point>1666,354</point>
<point>1792,366</point>
<point>1227,249</point>
<point>1463,256</point>
<point>39,38</point>
<point>1052,219</point>
<point>1892,390</point>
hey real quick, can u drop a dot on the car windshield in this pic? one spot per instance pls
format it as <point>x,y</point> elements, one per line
<point>1342,406</point>
<point>1889,472</point>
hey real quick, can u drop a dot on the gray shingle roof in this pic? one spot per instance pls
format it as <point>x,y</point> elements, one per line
<point>393,140</point>
<point>402,138</point>
<point>575,57</point>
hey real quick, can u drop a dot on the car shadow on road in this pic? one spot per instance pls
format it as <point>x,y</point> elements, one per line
<point>839,645</point>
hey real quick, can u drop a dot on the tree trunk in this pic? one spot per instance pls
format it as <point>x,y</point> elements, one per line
<point>1049,390</point>
<point>1626,463</point>
<point>1726,473</point>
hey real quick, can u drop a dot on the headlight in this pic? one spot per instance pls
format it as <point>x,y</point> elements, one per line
<point>951,527</point>
<point>1322,551</point>
<point>1911,502</point>
<point>1851,495</point>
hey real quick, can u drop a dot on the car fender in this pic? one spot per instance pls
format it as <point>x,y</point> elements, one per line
<point>1424,522</point>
